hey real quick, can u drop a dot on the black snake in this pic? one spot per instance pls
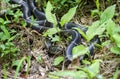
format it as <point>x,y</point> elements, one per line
<point>42,24</point>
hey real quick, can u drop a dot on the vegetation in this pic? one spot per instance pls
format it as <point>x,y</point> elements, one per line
<point>25,48</point>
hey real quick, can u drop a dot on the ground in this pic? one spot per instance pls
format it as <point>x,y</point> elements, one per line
<point>31,43</point>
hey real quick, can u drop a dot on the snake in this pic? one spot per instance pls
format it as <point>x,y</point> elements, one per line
<point>40,25</point>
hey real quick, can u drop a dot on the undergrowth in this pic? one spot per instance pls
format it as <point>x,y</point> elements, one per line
<point>105,27</point>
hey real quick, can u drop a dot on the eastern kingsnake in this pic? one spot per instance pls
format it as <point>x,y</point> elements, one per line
<point>28,8</point>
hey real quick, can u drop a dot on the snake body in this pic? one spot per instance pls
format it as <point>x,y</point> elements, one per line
<point>42,24</point>
<point>40,15</point>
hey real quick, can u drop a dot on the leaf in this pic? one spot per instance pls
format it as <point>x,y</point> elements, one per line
<point>12,38</point>
<point>5,71</point>
<point>7,22</point>
<point>58,60</point>
<point>116,74</point>
<point>68,16</point>
<point>49,16</point>
<point>56,38</point>
<point>79,50</point>
<point>116,37</point>
<point>16,63</point>
<point>51,31</point>
<point>24,24</point>
<point>86,62</point>
<point>106,43</point>
<point>10,12</point>
<point>1,20</point>
<point>93,69</point>
<point>97,4</point>
<point>82,33</point>
<point>91,29</point>
<point>116,30</point>
<point>115,50</point>
<point>63,1</point>
<point>50,76</point>
<point>14,49</point>
<point>3,37</point>
<point>74,74</point>
<point>110,27</point>
<point>33,21</point>
<point>20,63</point>
<point>93,12</point>
<point>2,46</point>
<point>4,29</point>
<point>39,58</point>
<point>95,29</point>
<point>108,14</point>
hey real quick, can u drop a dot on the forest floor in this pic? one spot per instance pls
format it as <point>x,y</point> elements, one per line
<point>32,44</point>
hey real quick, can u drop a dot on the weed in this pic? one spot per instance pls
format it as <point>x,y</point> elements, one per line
<point>88,72</point>
<point>92,68</point>
<point>5,72</point>
<point>52,18</point>
<point>6,47</point>
<point>104,25</point>
<point>19,65</point>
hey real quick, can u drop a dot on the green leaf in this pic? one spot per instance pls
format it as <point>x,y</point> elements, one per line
<point>74,74</point>
<point>1,20</point>
<point>4,29</point>
<point>10,12</point>
<point>12,38</point>
<point>58,60</point>
<point>115,50</point>
<point>116,30</point>
<point>56,38</point>
<point>93,12</point>
<point>5,71</point>
<point>68,16</point>
<point>110,27</point>
<point>39,58</point>
<point>14,49</point>
<point>33,21</point>
<point>93,69</point>
<point>51,31</point>
<point>86,62</point>
<point>2,46</point>
<point>82,33</point>
<point>116,37</point>
<point>16,63</point>
<point>79,50</point>
<point>7,22</point>
<point>108,14</point>
<point>20,63</point>
<point>97,4</point>
<point>24,24</point>
<point>3,36</point>
<point>106,43</point>
<point>95,29</point>
<point>49,16</point>
<point>116,74</point>
<point>50,76</point>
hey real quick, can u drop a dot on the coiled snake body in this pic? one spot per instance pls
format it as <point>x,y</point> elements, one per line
<point>42,25</point>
